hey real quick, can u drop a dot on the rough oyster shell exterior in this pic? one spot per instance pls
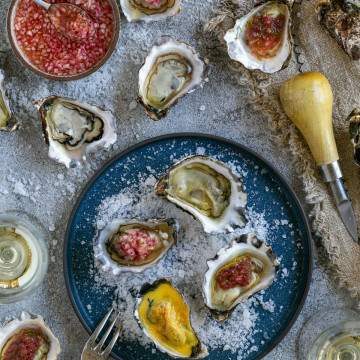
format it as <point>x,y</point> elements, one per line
<point>7,120</point>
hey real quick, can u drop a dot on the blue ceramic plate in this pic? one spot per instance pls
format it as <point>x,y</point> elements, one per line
<point>268,193</point>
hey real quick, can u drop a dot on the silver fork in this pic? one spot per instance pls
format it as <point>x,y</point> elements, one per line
<point>94,350</point>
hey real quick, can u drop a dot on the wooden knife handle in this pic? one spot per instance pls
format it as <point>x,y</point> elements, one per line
<point>308,101</point>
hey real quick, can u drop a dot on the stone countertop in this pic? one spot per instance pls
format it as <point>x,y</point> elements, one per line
<point>30,181</point>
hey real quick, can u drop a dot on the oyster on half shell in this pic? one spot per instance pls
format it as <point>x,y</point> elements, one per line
<point>261,40</point>
<point>7,121</point>
<point>208,190</point>
<point>28,337</point>
<point>134,245</point>
<point>164,316</point>
<point>237,272</point>
<point>171,70</point>
<point>73,129</point>
<point>150,10</point>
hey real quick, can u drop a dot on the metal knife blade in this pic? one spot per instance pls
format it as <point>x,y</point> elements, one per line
<point>347,215</point>
<point>332,174</point>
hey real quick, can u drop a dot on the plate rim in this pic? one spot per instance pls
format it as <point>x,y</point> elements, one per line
<point>281,335</point>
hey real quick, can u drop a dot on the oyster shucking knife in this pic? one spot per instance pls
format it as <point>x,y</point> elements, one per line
<point>308,101</point>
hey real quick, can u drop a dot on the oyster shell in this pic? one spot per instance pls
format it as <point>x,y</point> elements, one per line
<point>164,316</point>
<point>7,121</point>
<point>354,130</point>
<point>247,256</point>
<point>342,20</point>
<point>208,190</point>
<point>73,129</point>
<point>247,46</point>
<point>28,328</point>
<point>150,10</point>
<point>171,70</point>
<point>155,238</point>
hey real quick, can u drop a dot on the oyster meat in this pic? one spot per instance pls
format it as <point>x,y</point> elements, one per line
<point>354,130</point>
<point>171,70</point>
<point>150,10</point>
<point>134,245</point>
<point>342,20</point>
<point>28,338</point>
<point>208,190</point>
<point>262,39</point>
<point>237,272</point>
<point>164,316</point>
<point>7,121</point>
<point>73,129</point>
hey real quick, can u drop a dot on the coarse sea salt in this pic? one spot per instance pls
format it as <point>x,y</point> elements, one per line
<point>179,265</point>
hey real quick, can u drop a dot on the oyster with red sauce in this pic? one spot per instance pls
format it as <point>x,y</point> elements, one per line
<point>28,338</point>
<point>134,245</point>
<point>237,272</point>
<point>262,39</point>
<point>150,10</point>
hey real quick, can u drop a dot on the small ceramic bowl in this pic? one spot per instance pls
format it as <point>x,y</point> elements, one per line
<point>23,59</point>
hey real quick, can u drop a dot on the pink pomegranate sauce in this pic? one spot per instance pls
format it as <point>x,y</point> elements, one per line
<point>55,54</point>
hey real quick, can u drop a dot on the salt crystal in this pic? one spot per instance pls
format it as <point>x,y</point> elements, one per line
<point>19,189</point>
<point>202,108</point>
<point>133,105</point>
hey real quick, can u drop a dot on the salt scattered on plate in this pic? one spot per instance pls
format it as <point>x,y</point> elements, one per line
<point>183,266</point>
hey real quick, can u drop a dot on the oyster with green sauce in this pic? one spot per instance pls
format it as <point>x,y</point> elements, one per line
<point>171,70</point>
<point>354,130</point>
<point>164,316</point>
<point>28,338</point>
<point>208,190</point>
<point>237,272</point>
<point>150,10</point>
<point>134,245</point>
<point>73,129</point>
<point>7,121</point>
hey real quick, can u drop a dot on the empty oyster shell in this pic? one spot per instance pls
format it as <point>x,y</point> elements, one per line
<point>259,43</point>
<point>164,316</point>
<point>7,121</point>
<point>150,10</point>
<point>223,288</point>
<point>354,130</point>
<point>208,190</point>
<point>153,239</point>
<point>73,129</point>
<point>342,20</point>
<point>171,70</point>
<point>16,335</point>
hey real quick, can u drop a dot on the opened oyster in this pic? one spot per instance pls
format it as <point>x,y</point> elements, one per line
<point>262,39</point>
<point>73,129</point>
<point>171,70</point>
<point>150,10</point>
<point>208,190</point>
<point>164,316</point>
<point>134,245</point>
<point>342,20</point>
<point>7,122</point>
<point>237,272</point>
<point>354,130</point>
<point>28,338</point>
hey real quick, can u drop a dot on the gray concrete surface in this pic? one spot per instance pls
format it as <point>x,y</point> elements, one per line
<point>50,190</point>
